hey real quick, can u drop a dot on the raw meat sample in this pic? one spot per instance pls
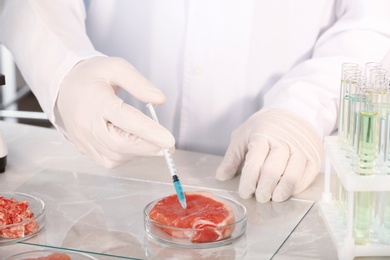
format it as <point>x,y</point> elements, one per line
<point>53,256</point>
<point>206,218</point>
<point>13,212</point>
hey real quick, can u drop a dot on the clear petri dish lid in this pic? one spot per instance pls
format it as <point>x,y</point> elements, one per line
<point>26,223</point>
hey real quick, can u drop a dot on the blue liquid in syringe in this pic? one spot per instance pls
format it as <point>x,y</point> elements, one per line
<point>179,191</point>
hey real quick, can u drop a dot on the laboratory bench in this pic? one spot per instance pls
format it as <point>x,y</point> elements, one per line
<point>99,211</point>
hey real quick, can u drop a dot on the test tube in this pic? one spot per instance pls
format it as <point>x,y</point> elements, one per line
<point>346,70</point>
<point>384,206</point>
<point>380,83</point>
<point>381,210</point>
<point>373,74</point>
<point>357,84</point>
<point>367,133</point>
<point>387,130</point>
<point>368,67</point>
<point>365,160</point>
<point>384,234</point>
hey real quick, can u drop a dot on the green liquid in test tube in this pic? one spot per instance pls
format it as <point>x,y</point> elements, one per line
<point>367,143</point>
<point>364,204</point>
<point>365,162</point>
<point>356,99</point>
<point>367,139</point>
<point>346,70</point>
<point>379,82</point>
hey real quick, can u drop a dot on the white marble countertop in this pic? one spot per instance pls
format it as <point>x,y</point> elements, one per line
<point>42,163</point>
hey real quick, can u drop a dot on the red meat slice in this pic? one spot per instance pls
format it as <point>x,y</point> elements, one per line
<point>211,218</point>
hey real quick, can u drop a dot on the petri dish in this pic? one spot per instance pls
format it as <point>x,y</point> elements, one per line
<point>163,233</point>
<point>26,227</point>
<point>51,254</point>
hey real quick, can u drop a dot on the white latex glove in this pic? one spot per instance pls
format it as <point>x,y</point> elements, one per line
<point>279,153</point>
<point>99,123</point>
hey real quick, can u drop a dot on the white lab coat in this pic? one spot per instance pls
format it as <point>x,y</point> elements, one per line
<point>217,61</point>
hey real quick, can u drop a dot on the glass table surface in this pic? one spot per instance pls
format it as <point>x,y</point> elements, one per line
<point>103,216</point>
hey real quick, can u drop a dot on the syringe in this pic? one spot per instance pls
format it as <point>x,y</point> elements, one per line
<point>171,165</point>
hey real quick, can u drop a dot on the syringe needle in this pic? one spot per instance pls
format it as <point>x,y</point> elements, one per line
<point>171,166</point>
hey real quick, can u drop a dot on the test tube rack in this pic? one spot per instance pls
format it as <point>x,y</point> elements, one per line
<point>340,225</point>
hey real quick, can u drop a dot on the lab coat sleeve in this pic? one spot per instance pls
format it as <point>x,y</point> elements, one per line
<point>311,89</point>
<point>46,38</point>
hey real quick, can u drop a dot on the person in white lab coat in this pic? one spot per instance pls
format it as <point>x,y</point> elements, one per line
<point>255,80</point>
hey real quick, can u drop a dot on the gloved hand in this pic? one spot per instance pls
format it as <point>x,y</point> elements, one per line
<point>103,127</point>
<point>280,155</point>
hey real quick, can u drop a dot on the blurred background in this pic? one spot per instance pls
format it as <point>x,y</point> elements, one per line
<point>18,104</point>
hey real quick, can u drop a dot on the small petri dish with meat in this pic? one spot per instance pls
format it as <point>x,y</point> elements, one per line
<point>208,220</point>
<point>51,254</point>
<point>21,216</point>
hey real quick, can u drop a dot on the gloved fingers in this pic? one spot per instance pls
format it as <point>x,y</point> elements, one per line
<point>113,158</point>
<point>273,168</point>
<point>258,150</point>
<point>310,173</point>
<point>107,159</point>
<point>292,174</point>
<point>127,77</point>
<point>117,144</point>
<point>234,157</point>
<point>134,122</point>
<point>132,144</point>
